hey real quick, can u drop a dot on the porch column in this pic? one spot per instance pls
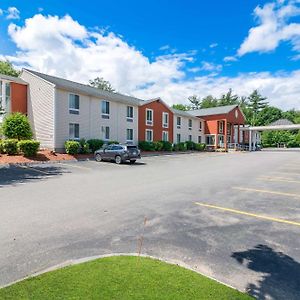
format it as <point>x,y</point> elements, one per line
<point>250,140</point>
<point>225,135</point>
<point>238,134</point>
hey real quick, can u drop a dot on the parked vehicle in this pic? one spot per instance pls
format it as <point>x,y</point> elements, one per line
<point>118,153</point>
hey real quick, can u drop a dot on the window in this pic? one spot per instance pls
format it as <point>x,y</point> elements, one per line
<point>190,138</point>
<point>106,133</point>
<point>73,131</point>
<point>221,126</point>
<point>165,136</point>
<point>221,140</point>
<point>73,104</point>
<point>229,128</point>
<point>105,109</point>
<point>129,135</point>
<point>149,135</point>
<point>149,117</point>
<point>200,126</point>
<point>165,117</point>
<point>190,124</point>
<point>210,140</point>
<point>178,138</point>
<point>178,122</point>
<point>129,114</point>
<point>199,139</point>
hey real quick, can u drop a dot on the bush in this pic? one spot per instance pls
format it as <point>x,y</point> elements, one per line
<point>95,144</point>
<point>1,147</point>
<point>113,142</point>
<point>146,146</point>
<point>180,147</point>
<point>167,146</point>
<point>84,147</point>
<point>158,146</point>
<point>29,147</point>
<point>10,146</point>
<point>72,147</point>
<point>16,126</point>
<point>190,145</point>
<point>200,147</point>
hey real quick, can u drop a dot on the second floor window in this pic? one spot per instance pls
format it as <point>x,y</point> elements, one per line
<point>129,114</point>
<point>149,117</point>
<point>200,126</point>
<point>74,104</point>
<point>105,108</point>
<point>190,124</point>
<point>221,126</point>
<point>178,122</point>
<point>165,119</point>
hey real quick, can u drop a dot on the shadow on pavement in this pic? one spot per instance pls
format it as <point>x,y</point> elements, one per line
<point>280,273</point>
<point>16,174</point>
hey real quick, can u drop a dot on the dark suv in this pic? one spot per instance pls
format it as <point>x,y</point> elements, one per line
<point>118,153</point>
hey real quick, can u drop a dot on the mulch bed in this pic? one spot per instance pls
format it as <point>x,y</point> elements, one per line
<point>42,156</point>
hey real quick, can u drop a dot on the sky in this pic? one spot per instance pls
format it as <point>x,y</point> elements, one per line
<point>168,49</point>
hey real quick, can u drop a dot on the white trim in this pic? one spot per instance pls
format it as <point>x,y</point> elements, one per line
<point>151,135</point>
<point>36,76</point>
<point>214,135</point>
<point>149,123</point>
<point>167,133</point>
<point>165,125</point>
<point>178,126</point>
<point>127,140</point>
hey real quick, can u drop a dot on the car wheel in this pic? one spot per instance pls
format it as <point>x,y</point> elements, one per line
<point>98,157</point>
<point>118,159</point>
<point>132,161</point>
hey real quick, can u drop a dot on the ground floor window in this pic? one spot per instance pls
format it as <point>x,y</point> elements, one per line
<point>165,136</point>
<point>129,135</point>
<point>178,138</point>
<point>73,131</point>
<point>210,140</point>
<point>199,139</point>
<point>220,140</point>
<point>149,135</point>
<point>190,138</point>
<point>106,132</point>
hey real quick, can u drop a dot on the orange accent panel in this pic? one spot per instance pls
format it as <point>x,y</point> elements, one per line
<point>158,108</point>
<point>18,97</point>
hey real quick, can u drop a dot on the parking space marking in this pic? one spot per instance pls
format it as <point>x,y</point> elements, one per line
<point>280,179</point>
<point>79,167</point>
<point>34,169</point>
<point>265,191</point>
<point>245,213</point>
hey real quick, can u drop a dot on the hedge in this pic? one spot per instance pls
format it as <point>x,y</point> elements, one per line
<point>10,146</point>
<point>29,147</point>
<point>95,144</point>
<point>1,147</point>
<point>146,146</point>
<point>72,147</point>
<point>84,147</point>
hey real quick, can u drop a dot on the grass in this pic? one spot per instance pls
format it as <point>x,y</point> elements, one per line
<point>121,277</point>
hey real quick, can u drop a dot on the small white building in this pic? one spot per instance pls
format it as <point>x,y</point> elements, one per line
<point>61,109</point>
<point>187,127</point>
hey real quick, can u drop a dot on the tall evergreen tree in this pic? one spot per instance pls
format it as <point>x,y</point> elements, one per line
<point>256,103</point>
<point>228,99</point>
<point>195,102</point>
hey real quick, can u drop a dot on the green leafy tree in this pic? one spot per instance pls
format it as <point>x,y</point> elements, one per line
<point>209,101</point>
<point>195,102</point>
<point>228,99</point>
<point>16,126</point>
<point>268,115</point>
<point>102,84</point>
<point>292,115</point>
<point>7,68</point>
<point>181,107</point>
<point>256,103</point>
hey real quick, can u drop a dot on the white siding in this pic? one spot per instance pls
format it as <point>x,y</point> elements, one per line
<point>90,119</point>
<point>40,106</point>
<point>184,130</point>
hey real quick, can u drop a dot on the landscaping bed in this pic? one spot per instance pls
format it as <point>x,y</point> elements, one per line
<point>121,277</point>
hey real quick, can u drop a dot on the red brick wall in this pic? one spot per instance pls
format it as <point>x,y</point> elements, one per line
<point>158,109</point>
<point>18,95</point>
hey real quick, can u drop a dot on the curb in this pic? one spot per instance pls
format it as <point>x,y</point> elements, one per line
<point>73,262</point>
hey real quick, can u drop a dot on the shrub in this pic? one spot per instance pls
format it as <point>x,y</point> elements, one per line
<point>190,145</point>
<point>84,147</point>
<point>146,146</point>
<point>158,146</point>
<point>167,146</point>
<point>200,147</point>
<point>95,144</point>
<point>72,147</point>
<point>180,147</point>
<point>16,126</point>
<point>10,146</point>
<point>29,147</point>
<point>1,147</point>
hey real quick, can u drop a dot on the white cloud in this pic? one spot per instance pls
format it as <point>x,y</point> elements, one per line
<point>63,47</point>
<point>165,47</point>
<point>1,12</point>
<point>213,45</point>
<point>229,58</point>
<point>13,13</point>
<point>273,28</point>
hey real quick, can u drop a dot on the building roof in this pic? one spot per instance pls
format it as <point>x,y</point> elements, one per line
<point>12,78</point>
<point>85,89</point>
<point>182,113</point>
<point>281,122</point>
<point>219,110</point>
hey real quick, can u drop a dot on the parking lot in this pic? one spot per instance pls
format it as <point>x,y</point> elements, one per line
<point>234,217</point>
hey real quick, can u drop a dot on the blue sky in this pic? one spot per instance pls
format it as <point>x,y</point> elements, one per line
<point>195,47</point>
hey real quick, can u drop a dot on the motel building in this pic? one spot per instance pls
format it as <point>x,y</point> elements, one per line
<point>61,110</point>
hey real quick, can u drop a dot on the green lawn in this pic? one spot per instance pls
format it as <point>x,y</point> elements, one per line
<point>120,277</point>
